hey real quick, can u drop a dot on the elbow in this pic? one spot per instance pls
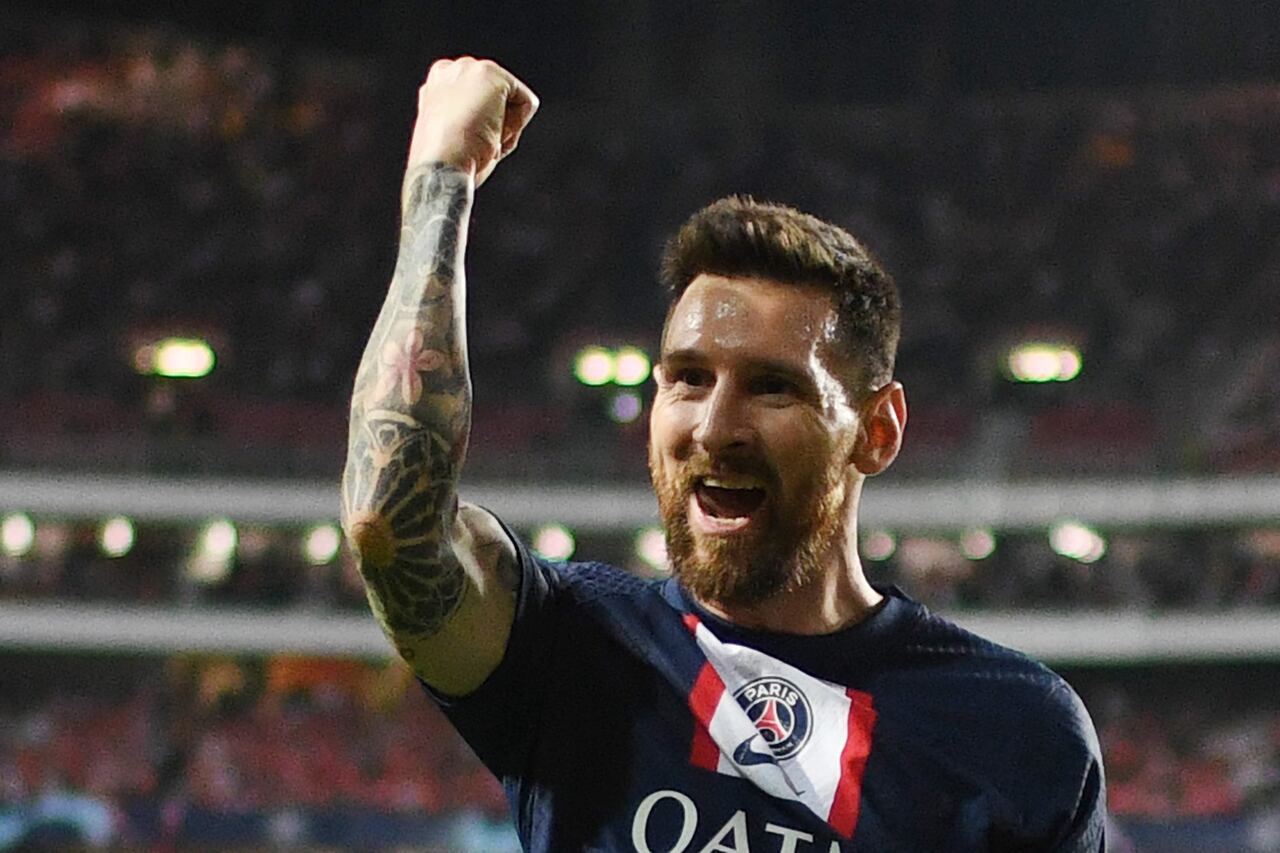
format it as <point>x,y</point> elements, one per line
<point>371,539</point>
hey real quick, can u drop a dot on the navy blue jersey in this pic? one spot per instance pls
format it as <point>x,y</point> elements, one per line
<point>625,718</point>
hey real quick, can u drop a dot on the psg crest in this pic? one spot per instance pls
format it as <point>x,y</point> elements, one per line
<point>782,718</point>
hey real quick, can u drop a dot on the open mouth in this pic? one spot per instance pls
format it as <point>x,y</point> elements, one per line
<point>728,502</point>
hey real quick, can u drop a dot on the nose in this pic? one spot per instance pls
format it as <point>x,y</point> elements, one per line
<point>722,424</point>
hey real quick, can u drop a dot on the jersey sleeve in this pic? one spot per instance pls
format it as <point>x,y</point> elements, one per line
<point>1085,830</point>
<point>500,718</point>
<point>1088,830</point>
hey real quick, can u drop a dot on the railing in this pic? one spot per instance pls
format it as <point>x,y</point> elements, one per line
<point>1068,638</point>
<point>1176,502</point>
<point>1058,638</point>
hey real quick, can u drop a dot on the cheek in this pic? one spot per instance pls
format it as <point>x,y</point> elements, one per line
<point>667,430</point>
<point>802,452</point>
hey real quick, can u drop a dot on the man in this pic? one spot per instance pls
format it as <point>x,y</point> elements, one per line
<point>768,697</point>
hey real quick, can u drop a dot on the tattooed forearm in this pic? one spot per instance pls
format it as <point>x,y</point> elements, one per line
<point>410,415</point>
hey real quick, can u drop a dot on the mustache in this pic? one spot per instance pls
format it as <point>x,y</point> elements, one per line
<point>702,466</point>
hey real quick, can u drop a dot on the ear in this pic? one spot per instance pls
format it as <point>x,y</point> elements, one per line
<point>883,419</point>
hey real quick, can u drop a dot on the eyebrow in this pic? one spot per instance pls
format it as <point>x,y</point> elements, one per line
<point>758,365</point>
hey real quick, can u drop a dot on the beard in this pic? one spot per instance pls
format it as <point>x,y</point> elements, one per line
<point>781,556</point>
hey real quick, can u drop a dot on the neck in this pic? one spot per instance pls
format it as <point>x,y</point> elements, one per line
<point>837,597</point>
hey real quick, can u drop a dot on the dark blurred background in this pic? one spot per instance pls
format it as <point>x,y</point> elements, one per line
<point>1080,203</point>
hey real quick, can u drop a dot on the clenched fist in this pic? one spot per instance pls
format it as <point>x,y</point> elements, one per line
<point>470,115</point>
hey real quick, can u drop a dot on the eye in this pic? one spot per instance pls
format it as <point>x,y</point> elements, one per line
<point>693,377</point>
<point>770,385</point>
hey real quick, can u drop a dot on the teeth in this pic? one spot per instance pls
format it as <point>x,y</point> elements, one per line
<point>734,481</point>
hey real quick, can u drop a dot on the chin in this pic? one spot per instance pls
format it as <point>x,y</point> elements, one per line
<point>735,575</point>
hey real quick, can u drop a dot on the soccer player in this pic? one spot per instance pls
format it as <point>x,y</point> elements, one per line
<point>767,697</point>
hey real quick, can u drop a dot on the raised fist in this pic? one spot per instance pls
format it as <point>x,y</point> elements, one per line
<point>470,115</point>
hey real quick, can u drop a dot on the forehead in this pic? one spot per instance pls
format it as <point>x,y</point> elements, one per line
<point>751,317</point>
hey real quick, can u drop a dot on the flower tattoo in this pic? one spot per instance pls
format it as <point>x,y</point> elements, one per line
<point>405,360</point>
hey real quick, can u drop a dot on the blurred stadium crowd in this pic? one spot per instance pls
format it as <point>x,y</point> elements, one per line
<point>157,749</point>
<point>277,744</point>
<point>168,186</point>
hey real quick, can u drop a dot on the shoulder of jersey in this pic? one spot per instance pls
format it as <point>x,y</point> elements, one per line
<point>593,581</point>
<point>939,641</point>
<point>1015,677</point>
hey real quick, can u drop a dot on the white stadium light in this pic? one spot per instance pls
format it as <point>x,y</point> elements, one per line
<point>217,541</point>
<point>977,543</point>
<point>554,541</point>
<point>631,366</point>
<point>1033,363</point>
<point>594,366</point>
<point>206,570</point>
<point>177,358</point>
<point>1069,364</point>
<point>211,558</point>
<point>878,545</point>
<point>116,536</point>
<point>321,544</point>
<point>1077,541</point>
<point>651,547</point>
<point>17,534</point>
<point>1043,362</point>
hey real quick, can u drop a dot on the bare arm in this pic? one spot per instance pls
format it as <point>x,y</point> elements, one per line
<point>440,577</point>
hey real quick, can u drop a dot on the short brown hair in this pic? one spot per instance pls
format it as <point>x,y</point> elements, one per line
<point>741,237</point>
